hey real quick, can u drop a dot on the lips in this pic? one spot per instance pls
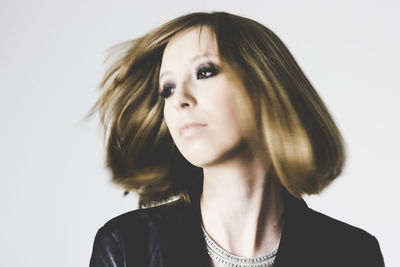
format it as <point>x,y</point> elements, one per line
<point>190,127</point>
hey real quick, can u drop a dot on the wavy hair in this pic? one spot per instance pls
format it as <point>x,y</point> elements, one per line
<point>291,124</point>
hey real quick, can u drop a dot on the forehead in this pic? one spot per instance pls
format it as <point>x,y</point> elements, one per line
<point>188,44</point>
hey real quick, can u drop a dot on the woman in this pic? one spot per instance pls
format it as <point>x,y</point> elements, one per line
<point>212,109</point>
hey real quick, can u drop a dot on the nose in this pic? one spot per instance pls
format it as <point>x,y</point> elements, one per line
<point>183,97</point>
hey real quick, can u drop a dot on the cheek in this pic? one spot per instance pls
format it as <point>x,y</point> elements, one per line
<point>168,119</point>
<point>171,118</point>
<point>225,111</point>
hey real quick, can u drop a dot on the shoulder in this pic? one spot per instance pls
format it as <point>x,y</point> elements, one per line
<point>312,238</point>
<point>140,221</point>
<point>329,226</point>
<point>330,237</point>
<point>141,218</point>
<point>305,221</point>
<point>134,231</point>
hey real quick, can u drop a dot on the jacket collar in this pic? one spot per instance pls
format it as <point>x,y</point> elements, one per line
<point>185,245</point>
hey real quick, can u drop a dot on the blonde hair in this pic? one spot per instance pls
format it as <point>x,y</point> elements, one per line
<point>290,122</point>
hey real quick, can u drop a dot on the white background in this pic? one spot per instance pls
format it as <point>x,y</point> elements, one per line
<point>55,191</point>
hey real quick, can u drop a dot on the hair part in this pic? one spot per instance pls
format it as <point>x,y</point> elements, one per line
<point>290,124</point>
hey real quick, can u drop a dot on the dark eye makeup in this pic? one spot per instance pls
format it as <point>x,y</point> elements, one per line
<point>204,71</point>
<point>207,71</point>
<point>166,90</point>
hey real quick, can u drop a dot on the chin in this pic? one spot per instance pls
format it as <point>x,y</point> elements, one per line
<point>200,161</point>
<point>205,152</point>
<point>204,157</point>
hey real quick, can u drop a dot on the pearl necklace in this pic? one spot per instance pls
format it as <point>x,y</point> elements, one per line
<point>222,256</point>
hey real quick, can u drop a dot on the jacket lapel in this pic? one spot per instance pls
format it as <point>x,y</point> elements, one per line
<point>293,249</point>
<point>181,238</point>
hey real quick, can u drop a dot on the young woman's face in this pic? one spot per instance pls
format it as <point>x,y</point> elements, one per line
<point>197,91</point>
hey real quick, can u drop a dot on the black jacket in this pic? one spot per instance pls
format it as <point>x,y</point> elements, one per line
<point>170,235</point>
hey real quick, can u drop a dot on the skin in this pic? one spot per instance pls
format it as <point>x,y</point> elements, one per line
<point>241,208</point>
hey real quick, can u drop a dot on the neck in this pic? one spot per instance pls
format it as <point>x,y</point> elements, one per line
<point>242,208</point>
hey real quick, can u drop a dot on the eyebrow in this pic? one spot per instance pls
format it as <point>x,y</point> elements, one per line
<point>208,55</point>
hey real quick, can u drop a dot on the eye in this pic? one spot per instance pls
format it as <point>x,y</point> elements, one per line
<point>167,90</point>
<point>207,71</point>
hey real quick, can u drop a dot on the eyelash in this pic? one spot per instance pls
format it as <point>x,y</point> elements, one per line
<point>203,72</point>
